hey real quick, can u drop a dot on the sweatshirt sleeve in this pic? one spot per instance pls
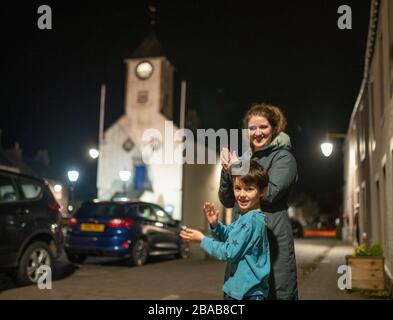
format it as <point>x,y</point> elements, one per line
<point>235,246</point>
<point>221,231</point>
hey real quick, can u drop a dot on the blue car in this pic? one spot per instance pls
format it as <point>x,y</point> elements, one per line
<point>131,230</point>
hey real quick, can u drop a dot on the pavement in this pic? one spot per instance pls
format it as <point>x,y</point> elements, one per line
<point>172,279</point>
<point>318,278</point>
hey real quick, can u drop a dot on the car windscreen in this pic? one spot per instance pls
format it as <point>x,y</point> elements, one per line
<point>101,210</point>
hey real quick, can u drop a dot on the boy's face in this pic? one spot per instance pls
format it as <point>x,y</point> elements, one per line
<point>247,196</point>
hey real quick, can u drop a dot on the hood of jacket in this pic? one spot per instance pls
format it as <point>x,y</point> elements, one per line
<point>282,140</point>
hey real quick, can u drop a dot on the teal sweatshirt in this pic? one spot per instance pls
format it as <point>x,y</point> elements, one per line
<point>245,247</point>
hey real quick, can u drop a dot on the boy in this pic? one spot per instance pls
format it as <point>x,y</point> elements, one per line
<point>244,243</point>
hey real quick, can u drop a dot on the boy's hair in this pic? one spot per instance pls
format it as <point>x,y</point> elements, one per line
<point>256,175</point>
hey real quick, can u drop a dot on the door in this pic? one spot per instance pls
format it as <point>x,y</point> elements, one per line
<point>33,205</point>
<point>169,232</point>
<point>150,227</point>
<point>12,222</point>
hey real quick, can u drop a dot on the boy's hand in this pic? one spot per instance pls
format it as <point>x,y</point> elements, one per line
<point>211,214</point>
<point>192,235</point>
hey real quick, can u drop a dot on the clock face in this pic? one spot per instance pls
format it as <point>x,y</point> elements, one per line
<point>144,70</point>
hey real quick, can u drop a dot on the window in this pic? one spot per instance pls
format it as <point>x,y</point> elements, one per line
<point>142,96</point>
<point>162,216</point>
<point>132,211</point>
<point>362,132</point>
<point>355,135</point>
<point>31,190</point>
<point>381,80</point>
<point>379,212</point>
<point>145,211</point>
<point>365,213</point>
<point>384,205</point>
<point>7,190</point>
<point>128,145</point>
<point>390,24</point>
<point>372,113</point>
<point>101,210</point>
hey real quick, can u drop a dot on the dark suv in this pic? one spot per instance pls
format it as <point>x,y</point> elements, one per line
<point>131,230</point>
<point>30,233</point>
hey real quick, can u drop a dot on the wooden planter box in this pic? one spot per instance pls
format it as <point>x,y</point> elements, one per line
<point>367,272</point>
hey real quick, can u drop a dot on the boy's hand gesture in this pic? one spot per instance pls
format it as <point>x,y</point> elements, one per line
<point>211,214</point>
<point>192,235</point>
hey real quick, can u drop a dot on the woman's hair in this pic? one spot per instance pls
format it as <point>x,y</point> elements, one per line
<point>256,175</point>
<point>272,113</point>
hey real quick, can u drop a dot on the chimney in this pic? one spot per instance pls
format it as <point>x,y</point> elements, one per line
<point>42,156</point>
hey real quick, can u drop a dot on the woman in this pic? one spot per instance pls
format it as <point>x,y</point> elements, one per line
<point>270,148</point>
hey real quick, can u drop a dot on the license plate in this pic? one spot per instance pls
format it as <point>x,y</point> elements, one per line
<point>92,227</point>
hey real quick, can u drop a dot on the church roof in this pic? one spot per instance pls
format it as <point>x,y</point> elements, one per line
<point>149,48</point>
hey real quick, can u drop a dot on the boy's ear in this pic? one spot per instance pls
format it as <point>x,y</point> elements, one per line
<point>263,192</point>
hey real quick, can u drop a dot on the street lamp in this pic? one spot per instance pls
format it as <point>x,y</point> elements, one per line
<point>73,176</point>
<point>327,146</point>
<point>58,188</point>
<point>94,153</point>
<point>124,175</point>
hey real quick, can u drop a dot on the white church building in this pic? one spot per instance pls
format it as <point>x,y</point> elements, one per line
<point>149,96</point>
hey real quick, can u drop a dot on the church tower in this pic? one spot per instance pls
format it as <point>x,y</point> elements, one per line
<point>181,189</point>
<point>148,105</point>
<point>149,83</point>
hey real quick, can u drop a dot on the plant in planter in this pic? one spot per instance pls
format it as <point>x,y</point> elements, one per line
<point>367,267</point>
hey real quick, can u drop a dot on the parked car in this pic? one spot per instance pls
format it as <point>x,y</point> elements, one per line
<point>131,230</point>
<point>30,235</point>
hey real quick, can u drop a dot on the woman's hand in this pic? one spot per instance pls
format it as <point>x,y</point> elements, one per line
<point>227,158</point>
<point>211,214</point>
<point>192,235</point>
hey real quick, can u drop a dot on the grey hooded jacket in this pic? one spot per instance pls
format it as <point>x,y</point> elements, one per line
<point>282,169</point>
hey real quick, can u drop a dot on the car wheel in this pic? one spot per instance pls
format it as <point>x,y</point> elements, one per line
<point>35,256</point>
<point>139,254</point>
<point>76,258</point>
<point>184,250</point>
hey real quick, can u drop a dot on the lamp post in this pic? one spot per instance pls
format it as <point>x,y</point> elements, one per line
<point>124,175</point>
<point>95,155</point>
<point>327,146</point>
<point>73,176</point>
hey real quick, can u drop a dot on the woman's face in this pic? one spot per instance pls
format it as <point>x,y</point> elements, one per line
<point>260,131</point>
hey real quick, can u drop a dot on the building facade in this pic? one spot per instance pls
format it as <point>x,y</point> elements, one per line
<point>368,162</point>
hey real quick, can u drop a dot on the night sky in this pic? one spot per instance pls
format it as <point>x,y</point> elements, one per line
<point>288,53</point>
